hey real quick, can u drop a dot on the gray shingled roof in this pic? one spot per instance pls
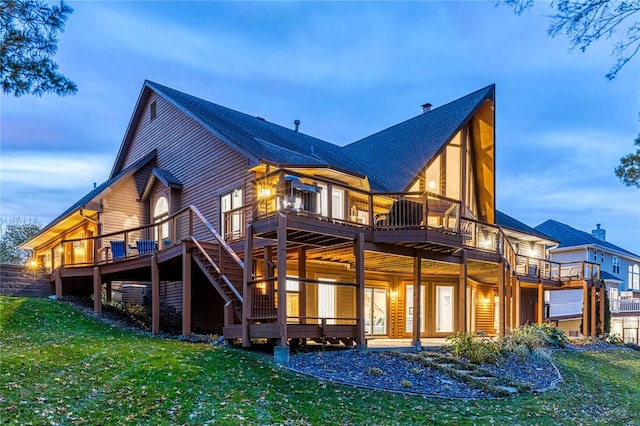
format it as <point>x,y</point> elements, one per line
<point>265,140</point>
<point>395,156</point>
<point>505,221</point>
<point>571,237</point>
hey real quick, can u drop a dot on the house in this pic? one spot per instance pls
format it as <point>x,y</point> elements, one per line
<point>619,269</point>
<point>258,231</point>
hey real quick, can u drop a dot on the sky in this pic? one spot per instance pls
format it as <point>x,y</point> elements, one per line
<point>345,70</point>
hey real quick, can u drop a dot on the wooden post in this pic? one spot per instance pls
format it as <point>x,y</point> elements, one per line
<point>593,311</point>
<point>330,201</point>
<point>58,281</point>
<point>97,291</point>
<point>109,290</point>
<point>358,251</point>
<point>517,300</point>
<point>540,303</point>
<point>302,285</point>
<point>417,287</point>
<point>282,277</point>
<point>155,295</point>
<point>247,291</point>
<point>585,309</point>
<point>501,298</point>
<point>603,295</point>
<point>186,290</point>
<point>462,294</point>
<point>507,309</point>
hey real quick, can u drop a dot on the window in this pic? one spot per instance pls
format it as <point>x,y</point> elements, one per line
<point>615,261</point>
<point>230,217</point>
<point>601,257</point>
<point>595,255</point>
<point>153,113</point>
<point>160,213</point>
<point>634,277</point>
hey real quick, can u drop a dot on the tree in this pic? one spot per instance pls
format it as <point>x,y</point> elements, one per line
<point>590,20</point>
<point>13,232</point>
<point>629,169</point>
<point>28,41</point>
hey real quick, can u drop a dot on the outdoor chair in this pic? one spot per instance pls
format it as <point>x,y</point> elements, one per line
<point>117,249</point>
<point>146,246</point>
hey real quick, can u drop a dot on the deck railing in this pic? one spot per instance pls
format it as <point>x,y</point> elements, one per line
<point>564,309</point>
<point>309,301</point>
<point>297,193</point>
<point>625,305</point>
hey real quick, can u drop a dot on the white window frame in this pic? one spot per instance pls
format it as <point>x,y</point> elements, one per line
<point>615,263</point>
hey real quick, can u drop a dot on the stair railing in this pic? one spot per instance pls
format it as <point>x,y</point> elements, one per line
<point>215,266</point>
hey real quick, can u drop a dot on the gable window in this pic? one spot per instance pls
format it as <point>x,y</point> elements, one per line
<point>615,261</point>
<point>160,213</point>
<point>601,257</point>
<point>153,111</point>
<point>231,217</point>
<point>634,277</point>
<point>595,255</point>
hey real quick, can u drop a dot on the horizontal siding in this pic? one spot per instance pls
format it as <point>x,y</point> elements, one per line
<point>200,161</point>
<point>122,211</point>
<point>171,294</point>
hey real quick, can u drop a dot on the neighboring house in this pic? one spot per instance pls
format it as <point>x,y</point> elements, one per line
<point>254,230</point>
<point>619,269</point>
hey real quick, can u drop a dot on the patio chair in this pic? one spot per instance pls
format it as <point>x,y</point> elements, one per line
<point>146,246</point>
<point>117,249</point>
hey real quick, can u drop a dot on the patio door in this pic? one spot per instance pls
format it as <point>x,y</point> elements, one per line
<point>375,311</point>
<point>444,309</point>
<point>409,311</point>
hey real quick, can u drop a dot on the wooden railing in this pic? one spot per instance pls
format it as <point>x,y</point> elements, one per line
<point>625,305</point>
<point>297,193</point>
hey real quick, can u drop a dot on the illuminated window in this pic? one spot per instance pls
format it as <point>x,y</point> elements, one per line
<point>231,217</point>
<point>160,213</point>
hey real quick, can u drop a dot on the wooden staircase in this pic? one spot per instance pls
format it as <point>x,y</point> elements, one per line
<point>224,273</point>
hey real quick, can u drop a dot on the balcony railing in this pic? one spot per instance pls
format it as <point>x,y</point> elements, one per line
<point>564,309</point>
<point>625,305</point>
<point>297,193</point>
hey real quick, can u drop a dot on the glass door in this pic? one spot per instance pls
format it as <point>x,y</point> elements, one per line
<point>409,314</point>
<point>444,309</point>
<point>375,311</point>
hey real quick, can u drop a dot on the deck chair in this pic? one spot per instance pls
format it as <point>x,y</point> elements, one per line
<point>146,246</point>
<point>117,249</point>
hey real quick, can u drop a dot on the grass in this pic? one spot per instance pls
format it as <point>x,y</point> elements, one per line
<point>59,366</point>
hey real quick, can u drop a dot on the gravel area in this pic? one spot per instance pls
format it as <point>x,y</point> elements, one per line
<point>391,371</point>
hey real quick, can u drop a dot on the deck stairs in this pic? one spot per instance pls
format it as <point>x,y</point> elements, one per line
<point>225,276</point>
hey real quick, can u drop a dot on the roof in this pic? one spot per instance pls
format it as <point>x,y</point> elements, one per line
<point>395,156</point>
<point>85,201</point>
<point>607,276</point>
<point>571,237</point>
<point>505,221</point>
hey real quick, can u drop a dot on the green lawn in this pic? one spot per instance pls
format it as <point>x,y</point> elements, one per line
<point>61,367</point>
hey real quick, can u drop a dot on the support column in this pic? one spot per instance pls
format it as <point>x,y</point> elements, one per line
<point>186,290</point>
<point>282,277</point>
<point>540,303</point>
<point>247,290</point>
<point>109,290</point>
<point>358,251</point>
<point>603,296</point>
<point>517,297</point>
<point>462,294</point>
<point>302,285</point>
<point>585,309</point>
<point>97,291</point>
<point>593,311</point>
<point>155,295</point>
<point>501,298</point>
<point>58,282</point>
<point>417,288</point>
<point>507,310</point>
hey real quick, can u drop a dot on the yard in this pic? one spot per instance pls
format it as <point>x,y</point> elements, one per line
<point>60,366</point>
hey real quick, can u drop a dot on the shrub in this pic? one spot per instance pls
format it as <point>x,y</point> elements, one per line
<point>406,384</point>
<point>614,339</point>
<point>553,335</point>
<point>375,371</point>
<point>477,349</point>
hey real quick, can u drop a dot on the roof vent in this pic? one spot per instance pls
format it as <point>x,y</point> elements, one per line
<point>260,118</point>
<point>426,107</point>
<point>297,124</point>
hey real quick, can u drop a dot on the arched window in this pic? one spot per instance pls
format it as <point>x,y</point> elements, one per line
<point>634,277</point>
<point>161,212</point>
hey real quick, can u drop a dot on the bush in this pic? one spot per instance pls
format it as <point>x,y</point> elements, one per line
<point>553,335</point>
<point>614,339</point>
<point>478,349</point>
<point>528,341</point>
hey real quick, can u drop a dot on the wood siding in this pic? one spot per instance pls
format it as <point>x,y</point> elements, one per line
<point>201,162</point>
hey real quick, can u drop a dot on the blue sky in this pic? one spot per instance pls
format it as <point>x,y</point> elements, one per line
<point>346,70</point>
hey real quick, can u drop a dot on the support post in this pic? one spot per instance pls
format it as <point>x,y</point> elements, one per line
<point>282,277</point>
<point>585,309</point>
<point>417,288</point>
<point>97,291</point>
<point>302,285</point>
<point>593,311</point>
<point>501,298</point>
<point>155,295</point>
<point>540,303</point>
<point>358,251</point>
<point>109,290</point>
<point>462,294</point>
<point>186,290</point>
<point>58,281</point>
<point>247,291</point>
<point>603,296</point>
<point>517,297</point>
<point>507,310</point>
